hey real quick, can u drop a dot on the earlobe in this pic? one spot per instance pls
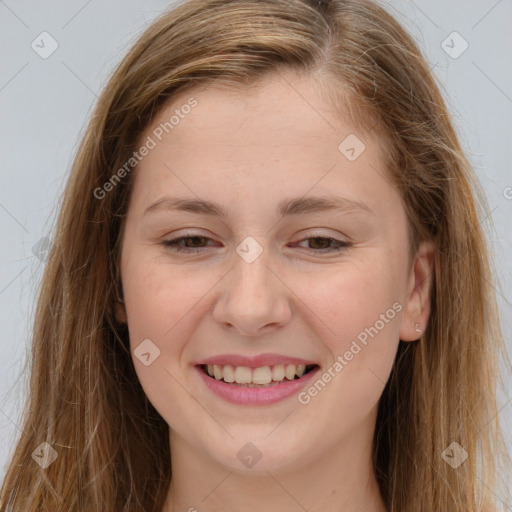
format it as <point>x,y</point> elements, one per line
<point>417,302</point>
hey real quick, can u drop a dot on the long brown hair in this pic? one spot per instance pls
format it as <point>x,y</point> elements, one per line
<point>85,399</point>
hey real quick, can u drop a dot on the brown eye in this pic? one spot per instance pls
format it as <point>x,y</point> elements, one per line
<point>325,244</point>
<point>176,245</point>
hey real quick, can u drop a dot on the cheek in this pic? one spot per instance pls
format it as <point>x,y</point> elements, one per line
<point>164,302</point>
<point>360,314</point>
<point>351,297</point>
<point>162,305</point>
<point>155,303</point>
<point>357,311</point>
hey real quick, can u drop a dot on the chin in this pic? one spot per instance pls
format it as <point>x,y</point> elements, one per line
<point>258,455</point>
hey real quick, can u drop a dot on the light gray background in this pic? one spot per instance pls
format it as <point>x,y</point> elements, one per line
<point>45,105</point>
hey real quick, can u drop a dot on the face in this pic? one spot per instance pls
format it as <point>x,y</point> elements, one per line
<point>305,273</point>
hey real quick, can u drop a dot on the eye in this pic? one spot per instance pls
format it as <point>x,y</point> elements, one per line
<point>323,242</point>
<point>195,242</point>
<point>174,244</point>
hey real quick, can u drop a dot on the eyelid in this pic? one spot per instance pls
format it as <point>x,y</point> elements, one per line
<point>321,232</point>
<point>315,234</point>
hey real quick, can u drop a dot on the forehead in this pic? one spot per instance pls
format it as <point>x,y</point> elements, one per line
<point>280,135</point>
<point>273,113</point>
<point>286,111</point>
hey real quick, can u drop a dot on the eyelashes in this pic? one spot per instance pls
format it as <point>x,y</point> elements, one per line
<point>175,244</point>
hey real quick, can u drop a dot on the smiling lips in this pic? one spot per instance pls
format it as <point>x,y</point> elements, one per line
<point>260,380</point>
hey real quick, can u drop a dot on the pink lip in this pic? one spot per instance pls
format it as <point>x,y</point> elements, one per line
<point>254,361</point>
<point>256,396</point>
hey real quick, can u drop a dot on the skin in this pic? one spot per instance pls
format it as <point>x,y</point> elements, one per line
<point>247,151</point>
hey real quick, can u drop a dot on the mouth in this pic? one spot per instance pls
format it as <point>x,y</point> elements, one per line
<point>259,377</point>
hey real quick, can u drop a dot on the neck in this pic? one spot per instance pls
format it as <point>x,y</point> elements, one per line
<point>341,480</point>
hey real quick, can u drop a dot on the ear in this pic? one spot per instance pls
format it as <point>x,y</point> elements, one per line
<point>120,313</point>
<point>417,302</point>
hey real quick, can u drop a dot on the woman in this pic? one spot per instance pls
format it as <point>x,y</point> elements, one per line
<point>268,372</point>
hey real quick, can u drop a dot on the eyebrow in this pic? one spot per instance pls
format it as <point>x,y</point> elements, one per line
<point>296,206</point>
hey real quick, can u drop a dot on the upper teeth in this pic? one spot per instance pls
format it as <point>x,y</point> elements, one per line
<point>261,375</point>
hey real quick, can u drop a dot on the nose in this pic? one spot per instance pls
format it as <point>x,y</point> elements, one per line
<point>253,300</point>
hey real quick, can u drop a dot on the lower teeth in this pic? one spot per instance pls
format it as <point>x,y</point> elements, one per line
<point>273,383</point>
